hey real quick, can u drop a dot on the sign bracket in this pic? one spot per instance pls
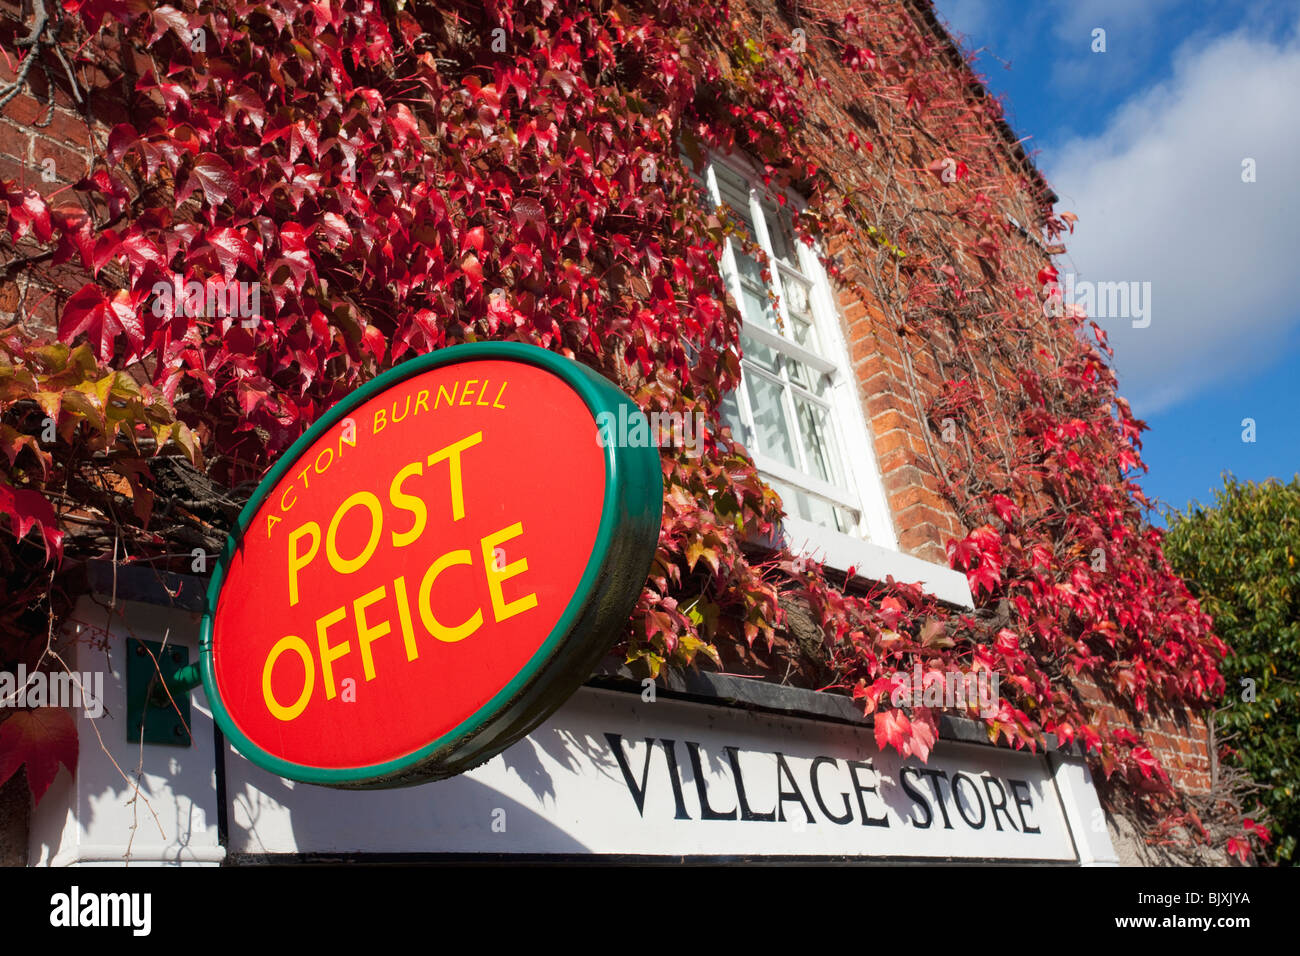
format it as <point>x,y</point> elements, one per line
<point>158,683</point>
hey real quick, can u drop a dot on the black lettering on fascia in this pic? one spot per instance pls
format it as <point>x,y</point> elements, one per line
<point>867,821</point>
<point>638,793</point>
<point>917,797</point>
<point>1028,801</point>
<point>934,776</point>
<point>990,782</point>
<point>783,795</point>
<point>674,775</point>
<point>817,793</point>
<point>745,812</point>
<point>706,811</point>
<point>957,780</point>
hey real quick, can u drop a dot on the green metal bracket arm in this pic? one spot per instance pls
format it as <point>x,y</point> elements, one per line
<point>185,679</point>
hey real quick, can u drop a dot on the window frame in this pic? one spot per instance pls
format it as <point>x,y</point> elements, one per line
<point>863,490</point>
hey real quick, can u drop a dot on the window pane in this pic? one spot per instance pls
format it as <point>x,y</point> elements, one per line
<point>807,378</point>
<point>780,229</point>
<point>751,273</point>
<point>734,191</point>
<point>755,306</point>
<point>757,353</point>
<point>731,417</point>
<point>772,431</point>
<point>800,504</point>
<point>819,441</point>
<point>798,306</point>
<point>833,516</point>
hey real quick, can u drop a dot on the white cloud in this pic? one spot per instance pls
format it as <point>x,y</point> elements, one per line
<point>1076,19</point>
<point>1160,199</point>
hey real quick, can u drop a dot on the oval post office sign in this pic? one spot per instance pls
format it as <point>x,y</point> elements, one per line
<point>431,570</point>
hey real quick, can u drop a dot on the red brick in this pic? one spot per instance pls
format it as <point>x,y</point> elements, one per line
<point>878,381</point>
<point>853,311</point>
<point>69,166</point>
<point>11,169</point>
<point>901,456</point>
<point>15,141</point>
<point>889,420</point>
<point>890,442</point>
<point>904,476</point>
<point>70,129</point>
<point>917,442</point>
<point>879,403</point>
<point>24,110</point>
<point>864,351</point>
<point>920,539</point>
<point>916,516</point>
<point>915,494</point>
<point>889,350</point>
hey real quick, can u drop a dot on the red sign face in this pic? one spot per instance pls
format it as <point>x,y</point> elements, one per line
<point>408,565</point>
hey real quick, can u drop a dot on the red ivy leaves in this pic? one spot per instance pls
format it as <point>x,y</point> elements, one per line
<point>40,739</point>
<point>213,175</point>
<point>102,317</point>
<point>29,509</point>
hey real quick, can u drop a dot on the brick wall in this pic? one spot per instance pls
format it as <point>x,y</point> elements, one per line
<point>923,518</point>
<point>72,130</point>
<point>1180,741</point>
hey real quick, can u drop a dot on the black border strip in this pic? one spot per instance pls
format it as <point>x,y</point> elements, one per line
<point>614,859</point>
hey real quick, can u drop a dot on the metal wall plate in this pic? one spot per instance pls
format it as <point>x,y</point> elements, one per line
<point>151,711</point>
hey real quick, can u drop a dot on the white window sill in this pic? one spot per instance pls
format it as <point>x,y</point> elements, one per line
<point>871,561</point>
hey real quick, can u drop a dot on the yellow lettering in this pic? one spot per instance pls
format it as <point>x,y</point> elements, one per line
<point>452,454</point>
<point>371,503</point>
<point>328,654</point>
<point>483,394</point>
<point>410,503</point>
<point>299,647</point>
<point>500,609</point>
<point>270,524</point>
<point>422,400</point>
<point>466,391</point>
<point>381,421</point>
<point>405,411</point>
<point>496,402</point>
<point>283,506</point>
<point>404,616</point>
<point>367,634</point>
<point>442,391</point>
<point>441,632</point>
<point>298,562</point>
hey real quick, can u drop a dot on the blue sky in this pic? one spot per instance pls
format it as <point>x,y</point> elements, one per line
<point>1146,142</point>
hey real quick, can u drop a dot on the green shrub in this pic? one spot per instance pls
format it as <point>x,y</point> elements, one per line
<point>1241,558</point>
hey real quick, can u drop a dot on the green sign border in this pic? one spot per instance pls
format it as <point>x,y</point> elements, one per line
<point>616,572</point>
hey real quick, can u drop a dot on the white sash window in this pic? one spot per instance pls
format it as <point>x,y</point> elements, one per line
<point>797,411</point>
